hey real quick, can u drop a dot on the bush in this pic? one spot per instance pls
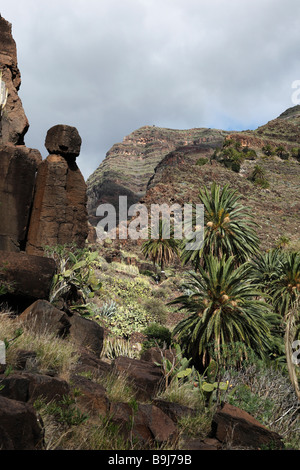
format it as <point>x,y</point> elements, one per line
<point>202,161</point>
<point>258,177</point>
<point>157,335</point>
<point>156,309</point>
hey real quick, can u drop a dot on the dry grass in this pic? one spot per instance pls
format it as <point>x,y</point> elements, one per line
<point>52,353</point>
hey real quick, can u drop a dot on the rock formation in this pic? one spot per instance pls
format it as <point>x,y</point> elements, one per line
<point>41,202</point>
<point>59,208</point>
<point>18,166</point>
<point>14,121</point>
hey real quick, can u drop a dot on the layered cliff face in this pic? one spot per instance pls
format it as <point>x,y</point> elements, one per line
<point>156,166</point>
<point>130,165</point>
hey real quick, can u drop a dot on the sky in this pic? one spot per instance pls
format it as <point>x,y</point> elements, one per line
<point>109,67</point>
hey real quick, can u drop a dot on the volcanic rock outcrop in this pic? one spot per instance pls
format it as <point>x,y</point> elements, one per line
<point>41,202</point>
<point>18,166</point>
<point>59,213</point>
<point>14,122</point>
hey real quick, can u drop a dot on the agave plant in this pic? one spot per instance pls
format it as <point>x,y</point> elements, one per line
<point>75,278</point>
<point>229,228</point>
<point>223,307</point>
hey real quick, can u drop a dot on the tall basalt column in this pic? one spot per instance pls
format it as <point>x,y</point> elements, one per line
<point>59,214</point>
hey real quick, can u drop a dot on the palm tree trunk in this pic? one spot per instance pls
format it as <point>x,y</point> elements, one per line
<point>289,337</point>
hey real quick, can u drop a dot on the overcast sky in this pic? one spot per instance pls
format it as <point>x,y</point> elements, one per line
<point>109,67</point>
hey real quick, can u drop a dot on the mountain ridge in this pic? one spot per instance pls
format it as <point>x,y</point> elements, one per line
<point>156,165</point>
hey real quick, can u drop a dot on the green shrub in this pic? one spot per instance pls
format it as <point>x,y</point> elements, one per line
<point>201,161</point>
<point>157,335</point>
<point>156,309</point>
<point>75,280</point>
<point>128,320</point>
<point>258,177</point>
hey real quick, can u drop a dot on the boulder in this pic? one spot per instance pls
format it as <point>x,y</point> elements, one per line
<point>157,355</point>
<point>175,411</point>
<point>145,377</point>
<point>42,316</point>
<point>63,140</point>
<point>19,426</point>
<point>92,397</point>
<point>18,166</point>
<point>146,423</point>
<point>27,387</point>
<point>14,123</point>
<point>86,333</point>
<point>89,363</point>
<point>238,429</point>
<point>59,213</point>
<point>30,277</point>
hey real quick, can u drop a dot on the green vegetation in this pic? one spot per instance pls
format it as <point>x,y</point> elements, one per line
<point>162,249</point>
<point>75,282</point>
<point>229,228</point>
<point>258,177</point>
<point>202,161</point>
<point>223,307</point>
<point>228,315</point>
<point>232,154</point>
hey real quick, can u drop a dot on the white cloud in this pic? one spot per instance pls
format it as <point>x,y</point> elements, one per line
<point>111,66</point>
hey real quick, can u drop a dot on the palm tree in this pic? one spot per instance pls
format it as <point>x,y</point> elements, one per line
<point>279,273</point>
<point>292,319</point>
<point>163,249</point>
<point>229,228</point>
<point>285,289</point>
<point>266,267</point>
<point>223,308</point>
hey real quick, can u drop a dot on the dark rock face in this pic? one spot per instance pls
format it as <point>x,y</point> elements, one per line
<point>236,427</point>
<point>86,333</point>
<point>18,166</point>
<point>63,140</point>
<point>14,121</point>
<point>43,316</point>
<point>145,377</point>
<point>30,277</point>
<point>149,423</point>
<point>28,387</point>
<point>59,208</point>
<point>19,426</point>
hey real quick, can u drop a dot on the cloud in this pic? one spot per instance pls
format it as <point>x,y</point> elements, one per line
<point>109,67</point>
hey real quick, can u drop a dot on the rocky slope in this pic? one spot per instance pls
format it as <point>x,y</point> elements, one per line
<point>155,165</point>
